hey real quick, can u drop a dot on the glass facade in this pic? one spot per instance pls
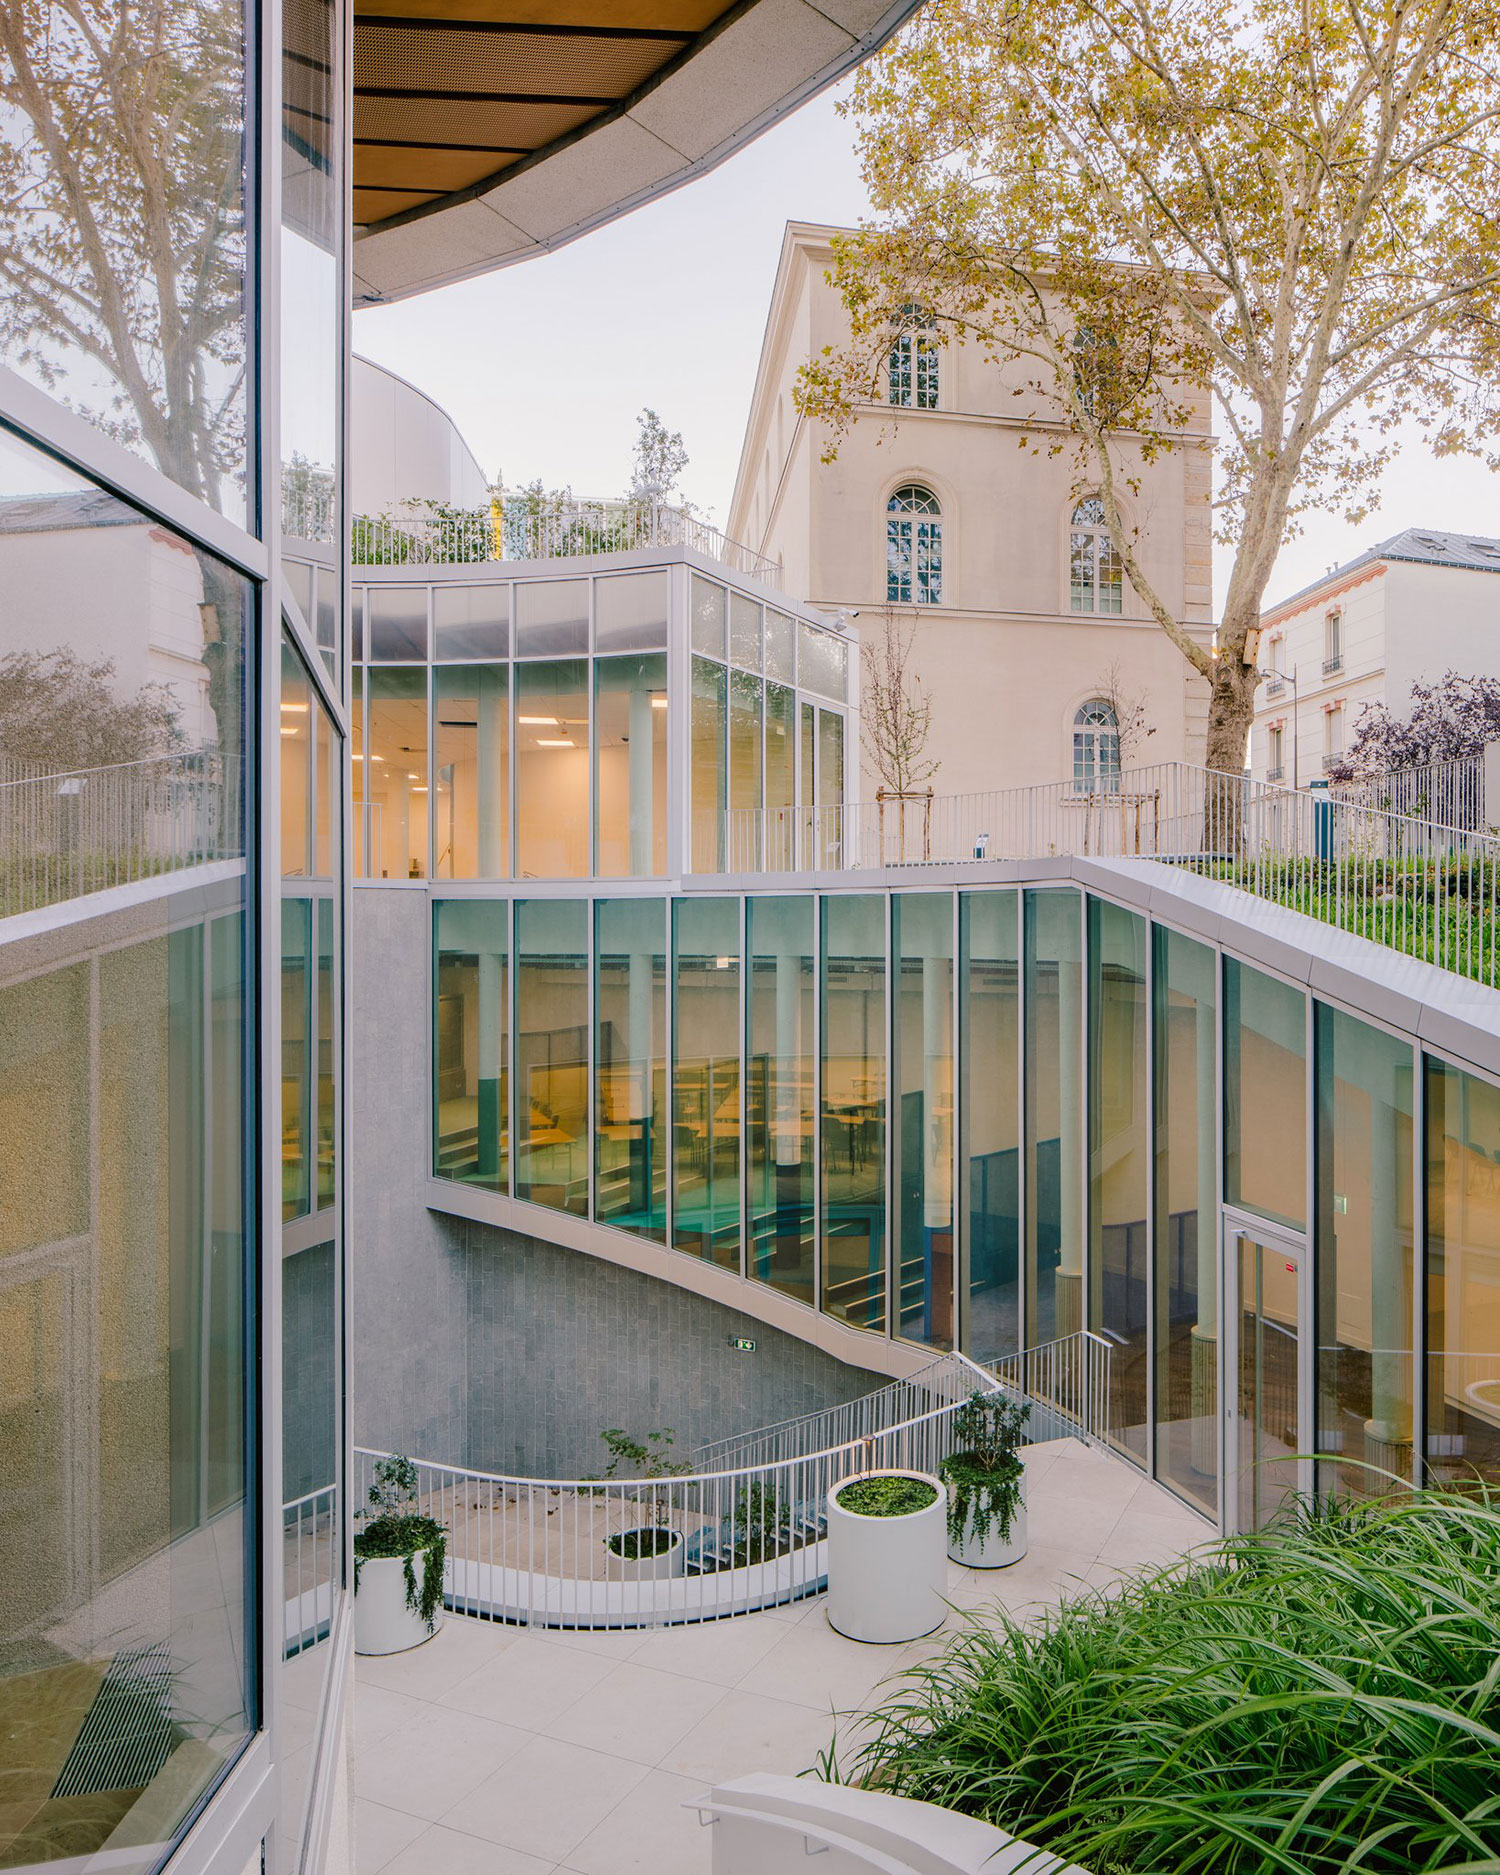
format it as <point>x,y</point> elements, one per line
<point>1053,1288</point>
<point>471,1042</point>
<point>630,1066</point>
<point>989,1116</point>
<point>922,1030</point>
<point>855,1080</point>
<point>782,972</point>
<point>552,1053</point>
<point>706,1079</point>
<point>1265,1094</point>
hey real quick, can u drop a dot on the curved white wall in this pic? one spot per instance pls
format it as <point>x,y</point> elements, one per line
<point>404,447</point>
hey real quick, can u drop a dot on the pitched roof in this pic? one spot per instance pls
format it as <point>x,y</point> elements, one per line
<point>50,514</point>
<point>1423,546</point>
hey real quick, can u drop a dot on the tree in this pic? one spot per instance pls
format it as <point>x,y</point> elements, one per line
<point>1455,716</point>
<point>63,713</point>
<point>657,462</point>
<point>1132,713</point>
<point>895,715</point>
<point>1140,204</point>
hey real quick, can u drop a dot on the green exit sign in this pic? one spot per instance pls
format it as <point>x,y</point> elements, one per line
<point>742,1344</point>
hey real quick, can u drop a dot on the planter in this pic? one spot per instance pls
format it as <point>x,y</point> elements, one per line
<point>648,1563</point>
<point>887,1576</point>
<point>994,1551</point>
<point>383,1624</point>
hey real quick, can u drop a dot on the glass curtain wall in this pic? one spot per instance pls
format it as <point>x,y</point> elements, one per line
<point>853,1117</point>
<point>552,1053</point>
<point>630,726</point>
<point>709,758</point>
<point>781,775</point>
<point>779,1092</point>
<point>395,772</point>
<point>745,777</point>
<point>706,1079</point>
<point>1461,1437</point>
<point>1186,1315</point>
<point>471,771</point>
<point>989,1112</point>
<point>552,766</point>
<point>630,1055</point>
<point>1119,1149</point>
<point>1054,1115</point>
<point>1265,1094</point>
<point>471,1042</point>
<point>1364,1255</point>
<point>923,1021</point>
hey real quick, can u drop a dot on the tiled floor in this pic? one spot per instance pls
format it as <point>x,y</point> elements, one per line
<point>501,1751</point>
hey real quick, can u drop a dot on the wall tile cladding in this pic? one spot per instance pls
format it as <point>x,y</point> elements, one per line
<point>562,1345</point>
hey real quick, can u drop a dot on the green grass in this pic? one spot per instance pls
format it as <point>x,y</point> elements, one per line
<point>1321,1697</point>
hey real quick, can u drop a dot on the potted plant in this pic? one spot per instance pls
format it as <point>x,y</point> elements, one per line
<point>887,1569</point>
<point>398,1565</point>
<point>986,1482</point>
<point>646,1552</point>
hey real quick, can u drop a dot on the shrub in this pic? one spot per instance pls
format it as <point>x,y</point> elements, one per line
<point>397,1527</point>
<point>984,1475</point>
<point>885,1497</point>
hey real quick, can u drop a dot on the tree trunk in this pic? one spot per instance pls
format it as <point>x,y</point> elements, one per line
<point>1231,707</point>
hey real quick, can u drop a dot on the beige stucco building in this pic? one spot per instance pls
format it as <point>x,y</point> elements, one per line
<point>985,546</point>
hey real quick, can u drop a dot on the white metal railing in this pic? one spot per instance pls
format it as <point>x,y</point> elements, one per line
<point>310,1542</point>
<point>527,527</point>
<point>1069,1378</point>
<point>78,831</point>
<point>1409,882</point>
<point>1450,793</point>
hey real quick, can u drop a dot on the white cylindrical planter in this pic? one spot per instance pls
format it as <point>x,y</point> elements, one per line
<point>671,1561</point>
<point>994,1552</point>
<point>887,1575</point>
<point>383,1624</point>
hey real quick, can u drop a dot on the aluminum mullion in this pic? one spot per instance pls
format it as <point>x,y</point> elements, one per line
<point>1148,1134</point>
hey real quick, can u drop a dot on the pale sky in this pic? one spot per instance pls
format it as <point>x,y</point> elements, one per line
<point>545,365</point>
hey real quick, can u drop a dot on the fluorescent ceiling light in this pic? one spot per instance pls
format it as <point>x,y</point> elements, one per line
<point>290,730</point>
<point>299,707</point>
<point>658,703</point>
<point>555,742</point>
<point>544,722</point>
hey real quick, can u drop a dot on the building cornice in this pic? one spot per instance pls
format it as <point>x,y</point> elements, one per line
<point>1328,588</point>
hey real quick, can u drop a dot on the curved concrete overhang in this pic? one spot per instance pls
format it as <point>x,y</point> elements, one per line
<point>489,131</point>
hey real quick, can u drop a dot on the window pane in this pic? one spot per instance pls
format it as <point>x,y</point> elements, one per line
<point>630,703</point>
<point>1081,572</point>
<point>552,618</point>
<point>854,1109</point>
<point>745,763</point>
<point>552,770</point>
<point>552,1035</point>
<point>706,1080</point>
<point>781,648</point>
<point>1462,1438</point>
<point>824,664</point>
<point>781,776</point>
<point>471,621</point>
<point>296,766</point>
<point>708,618</point>
<point>710,707</point>
<point>630,1177</point>
<point>1265,1094</point>
<point>471,809</point>
<point>1054,1134</point>
<point>1363,1255</point>
<point>924,1013</point>
<point>397,624</point>
<point>471,1039</point>
<point>990,1038</point>
<point>328,819</point>
<point>327,1007</point>
<point>1118,1147</point>
<point>831,787</point>
<point>1187,1295</point>
<point>779,1097</point>
<point>744,631</point>
<point>296,1056</point>
<point>396,774</point>
<point>177,390</point>
<point>630,614</point>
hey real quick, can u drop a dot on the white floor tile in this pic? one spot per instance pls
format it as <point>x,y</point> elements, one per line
<point>440,1851</point>
<point>531,1685</point>
<point>648,1833</point>
<point>425,1766</point>
<point>380,1834</point>
<point>748,1732</point>
<point>546,1799</point>
<point>721,1652</point>
<point>637,1713</point>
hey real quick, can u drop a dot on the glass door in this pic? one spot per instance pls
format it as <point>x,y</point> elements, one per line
<point>1265,1377</point>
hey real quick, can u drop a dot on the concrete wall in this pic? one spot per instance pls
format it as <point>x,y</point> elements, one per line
<point>404,447</point>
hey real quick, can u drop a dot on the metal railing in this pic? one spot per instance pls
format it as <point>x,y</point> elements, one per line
<point>1449,793</point>
<point>65,834</point>
<point>523,527</point>
<point>1068,1381</point>
<point>310,1541</point>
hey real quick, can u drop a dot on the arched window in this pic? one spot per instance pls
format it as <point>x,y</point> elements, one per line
<point>914,546</point>
<point>1095,574</point>
<point>1096,749</point>
<point>913,364</point>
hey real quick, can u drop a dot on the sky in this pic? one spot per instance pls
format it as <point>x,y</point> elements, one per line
<point>546,365</point>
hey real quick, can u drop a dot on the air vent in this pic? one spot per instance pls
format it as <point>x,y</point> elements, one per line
<point>128,1734</point>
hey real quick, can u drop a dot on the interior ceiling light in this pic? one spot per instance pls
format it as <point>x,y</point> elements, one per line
<point>658,703</point>
<point>539,722</point>
<point>301,708</point>
<point>292,729</point>
<point>555,742</point>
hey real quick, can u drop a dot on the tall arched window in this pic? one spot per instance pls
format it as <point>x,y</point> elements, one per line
<point>913,365</point>
<point>1096,748</point>
<point>1096,577</point>
<point>914,546</point>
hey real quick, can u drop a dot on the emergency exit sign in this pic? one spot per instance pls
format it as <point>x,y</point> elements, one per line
<point>742,1344</point>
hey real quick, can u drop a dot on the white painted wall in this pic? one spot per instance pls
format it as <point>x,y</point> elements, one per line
<point>404,447</point>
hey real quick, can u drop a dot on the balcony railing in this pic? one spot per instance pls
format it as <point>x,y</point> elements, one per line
<point>1332,666</point>
<point>1275,686</point>
<point>1450,794</point>
<point>1276,773</point>
<point>524,527</point>
<point>83,830</point>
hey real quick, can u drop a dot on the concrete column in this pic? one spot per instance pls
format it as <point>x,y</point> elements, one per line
<point>493,776</point>
<point>642,803</point>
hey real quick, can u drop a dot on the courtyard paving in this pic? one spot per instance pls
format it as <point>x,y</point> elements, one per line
<point>495,1750</point>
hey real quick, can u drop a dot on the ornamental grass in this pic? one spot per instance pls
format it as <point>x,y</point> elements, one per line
<point>1321,1696</point>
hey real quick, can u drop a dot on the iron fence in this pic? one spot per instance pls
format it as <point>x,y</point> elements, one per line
<point>1449,793</point>
<point>310,1560</point>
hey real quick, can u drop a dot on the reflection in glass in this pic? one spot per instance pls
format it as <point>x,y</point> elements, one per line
<point>396,619</point>
<point>822,663</point>
<point>1119,1145</point>
<point>1462,1436</point>
<point>781,648</point>
<point>1265,1094</point>
<point>296,1056</point>
<point>552,618</point>
<point>709,779</point>
<point>471,772</point>
<point>630,613</point>
<point>297,768</point>
<point>630,717</point>
<point>779,1093</point>
<point>1364,1255</point>
<point>709,619</point>
<point>924,1055</point>
<point>831,787</point>
<point>1268,1407</point>
<point>630,1127</point>
<point>326,993</point>
<point>1054,1132</point>
<point>470,622</point>
<point>781,776</point>
<point>1187,1256</point>
<point>552,1053</point>
<point>745,765</point>
<point>706,1079</point>
<point>396,773</point>
<point>552,769</point>
<point>126,293</point>
<point>990,1038</point>
<point>472,1121</point>
<point>744,631</point>
<point>854,1112</point>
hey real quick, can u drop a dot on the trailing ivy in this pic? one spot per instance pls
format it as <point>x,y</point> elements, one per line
<point>396,1529</point>
<point>985,1475</point>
